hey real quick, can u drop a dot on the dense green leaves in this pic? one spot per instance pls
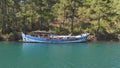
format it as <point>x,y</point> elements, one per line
<point>62,16</point>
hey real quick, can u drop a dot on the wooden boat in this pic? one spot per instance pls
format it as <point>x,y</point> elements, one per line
<point>48,37</point>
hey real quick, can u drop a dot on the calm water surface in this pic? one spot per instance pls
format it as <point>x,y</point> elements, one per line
<point>77,55</point>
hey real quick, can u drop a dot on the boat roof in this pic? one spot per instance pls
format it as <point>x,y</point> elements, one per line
<point>43,32</point>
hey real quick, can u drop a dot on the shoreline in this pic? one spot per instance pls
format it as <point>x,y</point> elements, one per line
<point>91,38</point>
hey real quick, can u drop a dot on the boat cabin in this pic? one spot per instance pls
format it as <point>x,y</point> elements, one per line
<point>43,34</point>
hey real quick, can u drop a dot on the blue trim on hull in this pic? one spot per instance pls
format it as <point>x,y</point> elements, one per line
<point>29,38</point>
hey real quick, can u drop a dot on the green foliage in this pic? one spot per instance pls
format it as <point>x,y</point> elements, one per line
<point>71,16</point>
<point>61,31</point>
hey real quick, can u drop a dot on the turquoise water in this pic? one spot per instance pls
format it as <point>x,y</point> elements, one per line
<point>77,55</point>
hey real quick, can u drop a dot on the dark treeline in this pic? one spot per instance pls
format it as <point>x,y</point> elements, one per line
<point>98,17</point>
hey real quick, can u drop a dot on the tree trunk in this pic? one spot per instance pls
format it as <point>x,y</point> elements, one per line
<point>3,24</point>
<point>97,31</point>
<point>40,20</point>
<point>98,24</point>
<point>24,24</point>
<point>64,15</point>
<point>72,20</point>
<point>3,16</point>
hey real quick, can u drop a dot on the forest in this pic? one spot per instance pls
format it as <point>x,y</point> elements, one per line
<point>100,18</point>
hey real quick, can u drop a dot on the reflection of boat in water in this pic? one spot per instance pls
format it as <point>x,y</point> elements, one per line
<point>48,37</point>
